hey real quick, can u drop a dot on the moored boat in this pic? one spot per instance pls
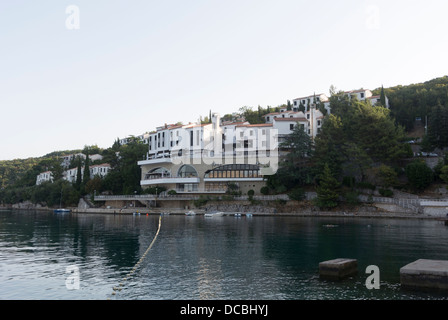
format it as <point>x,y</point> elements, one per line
<point>214,214</point>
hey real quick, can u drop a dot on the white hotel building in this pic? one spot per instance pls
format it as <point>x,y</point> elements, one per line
<point>206,158</point>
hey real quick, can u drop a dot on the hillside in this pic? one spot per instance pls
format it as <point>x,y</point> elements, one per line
<point>24,171</point>
<point>416,100</point>
<point>406,103</point>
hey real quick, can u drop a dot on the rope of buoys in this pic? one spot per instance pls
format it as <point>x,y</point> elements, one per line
<point>121,284</point>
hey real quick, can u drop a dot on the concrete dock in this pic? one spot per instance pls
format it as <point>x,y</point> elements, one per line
<point>338,269</point>
<point>425,275</point>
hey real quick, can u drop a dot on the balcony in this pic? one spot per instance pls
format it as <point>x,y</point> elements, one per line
<point>154,180</point>
<point>154,159</point>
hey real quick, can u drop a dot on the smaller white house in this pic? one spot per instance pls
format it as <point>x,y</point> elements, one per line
<point>142,137</point>
<point>365,94</point>
<point>44,177</point>
<point>68,158</point>
<point>309,100</point>
<point>70,175</point>
<point>99,169</point>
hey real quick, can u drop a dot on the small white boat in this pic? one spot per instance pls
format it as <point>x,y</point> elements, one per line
<point>249,215</point>
<point>237,215</point>
<point>214,214</point>
<point>190,213</point>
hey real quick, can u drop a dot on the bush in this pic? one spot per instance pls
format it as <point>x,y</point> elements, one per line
<point>351,197</point>
<point>327,190</point>
<point>348,181</point>
<point>365,185</point>
<point>154,190</point>
<point>172,192</point>
<point>297,194</point>
<point>264,190</point>
<point>386,192</point>
<point>202,201</point>
<point>419,175</point>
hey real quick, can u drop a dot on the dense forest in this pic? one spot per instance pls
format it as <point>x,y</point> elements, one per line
<point>426,102</point>
<point>18,179</point>
<point>359,145</point>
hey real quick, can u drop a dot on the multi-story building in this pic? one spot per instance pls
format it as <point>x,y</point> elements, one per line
<point>99,170</point>
<point>285,121</point>
<point>207,158</point>
<point>142,137</point>
<point>42,177</point>
<point>365,94</point>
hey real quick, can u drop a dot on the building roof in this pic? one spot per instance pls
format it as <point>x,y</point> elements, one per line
<point>271,114</point>
<point>311,96</point>
<point>290,119</point>
<point>100,165</point>
<point>257,125</point>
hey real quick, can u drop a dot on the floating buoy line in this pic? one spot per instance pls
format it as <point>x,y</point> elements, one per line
<point>121,284</point>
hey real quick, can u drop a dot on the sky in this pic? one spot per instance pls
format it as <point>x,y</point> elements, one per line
<point>86,72</point>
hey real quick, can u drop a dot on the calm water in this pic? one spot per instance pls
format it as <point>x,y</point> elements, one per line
<point>207,258</point>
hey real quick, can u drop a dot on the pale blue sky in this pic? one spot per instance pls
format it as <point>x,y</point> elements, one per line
<point>137,64</point>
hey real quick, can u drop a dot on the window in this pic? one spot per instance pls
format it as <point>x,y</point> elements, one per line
<point>158,173</point>
<point>291,126</point>
<point>234,171</point>
<point>362,95</point>
<point>267,118</point>
<point>187,171</point>
<point>308,116</point>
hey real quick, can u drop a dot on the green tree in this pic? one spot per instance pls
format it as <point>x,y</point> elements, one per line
<point>328,190</point>
<point>329,146</point>
<point>125,174</point>
<point>383,97</point>
<point>444,173</point>
<point>86,175</point>
<point>387,176</point>
<point>419,175</point>
<point>94,185</point>
<point>78,181</point>
<point>296,168</point>
<point>438,126</point>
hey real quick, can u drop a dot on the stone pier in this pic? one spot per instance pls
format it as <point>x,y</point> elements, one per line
<point>425,275</point>
<point>338,269</point>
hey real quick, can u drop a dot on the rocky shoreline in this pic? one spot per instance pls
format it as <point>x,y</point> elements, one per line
<point>360,211</point>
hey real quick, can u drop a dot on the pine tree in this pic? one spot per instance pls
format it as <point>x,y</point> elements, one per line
<point>78,175</point>
<point>383,97</point>
<point>328,190</point>
<point>86,176</point>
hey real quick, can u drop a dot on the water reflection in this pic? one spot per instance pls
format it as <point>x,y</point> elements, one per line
<point>198,258</point>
